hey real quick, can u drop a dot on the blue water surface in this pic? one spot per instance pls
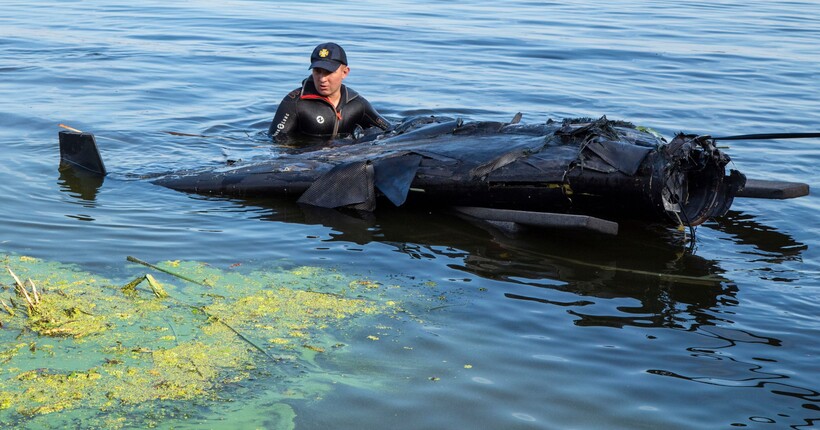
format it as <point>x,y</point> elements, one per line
<point>544,331</point>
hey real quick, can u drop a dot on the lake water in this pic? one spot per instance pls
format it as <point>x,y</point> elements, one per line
<point>544,331</point>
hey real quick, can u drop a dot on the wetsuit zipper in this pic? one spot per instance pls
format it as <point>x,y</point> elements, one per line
<point>336,124</point>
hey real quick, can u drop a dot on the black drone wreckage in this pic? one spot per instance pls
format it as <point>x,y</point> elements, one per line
<point>560,175</point>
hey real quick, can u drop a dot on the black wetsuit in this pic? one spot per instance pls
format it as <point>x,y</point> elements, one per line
<point>304,111</point>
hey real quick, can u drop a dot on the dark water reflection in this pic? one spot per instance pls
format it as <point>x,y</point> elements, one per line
<point>654,265</point>
<point>80,186</point>
<point>771,245</point>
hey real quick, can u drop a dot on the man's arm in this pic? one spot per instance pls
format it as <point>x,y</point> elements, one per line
<point>285,119</point>
<point>372,118</point>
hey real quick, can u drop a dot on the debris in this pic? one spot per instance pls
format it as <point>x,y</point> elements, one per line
<point>138,261</point>
<point>156,287</point>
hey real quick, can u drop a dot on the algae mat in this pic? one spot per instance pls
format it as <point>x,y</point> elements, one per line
<point>79,350</point>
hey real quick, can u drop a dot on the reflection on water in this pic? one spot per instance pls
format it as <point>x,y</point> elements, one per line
<point>674,287</point>
<point>769,243</point>
<point>80,185</point>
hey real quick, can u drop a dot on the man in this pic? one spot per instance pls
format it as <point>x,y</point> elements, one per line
<point>323,107</point>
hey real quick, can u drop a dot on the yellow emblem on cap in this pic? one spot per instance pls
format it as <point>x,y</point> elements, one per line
<point>324,53</point>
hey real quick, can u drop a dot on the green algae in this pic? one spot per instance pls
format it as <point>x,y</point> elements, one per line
<point>92,345</point>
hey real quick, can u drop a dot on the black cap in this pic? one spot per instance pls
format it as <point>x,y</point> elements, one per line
<point>328,56</point>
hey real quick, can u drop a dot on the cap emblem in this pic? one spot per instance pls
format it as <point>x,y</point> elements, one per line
<point>324,53</point>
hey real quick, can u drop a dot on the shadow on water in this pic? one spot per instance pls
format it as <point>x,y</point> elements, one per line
<point>653,265</point>
<point>80,185</point>
<point>773,246</point>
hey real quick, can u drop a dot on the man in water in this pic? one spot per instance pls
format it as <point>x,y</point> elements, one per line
<point>323,107</point>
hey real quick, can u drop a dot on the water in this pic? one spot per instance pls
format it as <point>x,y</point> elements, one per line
<point>545,331</point>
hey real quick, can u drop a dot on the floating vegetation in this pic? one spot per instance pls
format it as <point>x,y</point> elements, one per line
<point>73,341</point>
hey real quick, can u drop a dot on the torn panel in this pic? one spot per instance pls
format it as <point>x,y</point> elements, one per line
<point>345,185</point>
<point>394,175</point>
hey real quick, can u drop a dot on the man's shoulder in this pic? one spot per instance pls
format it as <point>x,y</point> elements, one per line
<point>295,93</point>
<point>351,94</point>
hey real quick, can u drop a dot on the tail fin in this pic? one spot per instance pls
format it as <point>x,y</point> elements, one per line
<point>79,151</point>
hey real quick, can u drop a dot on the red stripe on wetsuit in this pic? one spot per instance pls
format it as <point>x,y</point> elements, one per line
<point>318,97</point>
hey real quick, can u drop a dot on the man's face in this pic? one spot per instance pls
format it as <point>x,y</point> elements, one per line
<point>327,82</point>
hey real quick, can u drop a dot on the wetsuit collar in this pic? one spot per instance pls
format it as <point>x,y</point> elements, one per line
<point>309,92</point>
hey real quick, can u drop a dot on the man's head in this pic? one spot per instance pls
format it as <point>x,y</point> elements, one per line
<point>329,64</point>
<point>328,56</point>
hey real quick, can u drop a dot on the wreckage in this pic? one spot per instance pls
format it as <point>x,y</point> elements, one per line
<point>576,174</point>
